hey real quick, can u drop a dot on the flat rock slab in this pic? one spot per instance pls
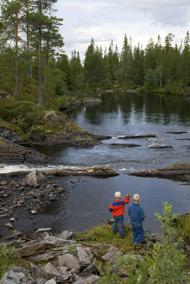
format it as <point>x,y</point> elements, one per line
<point>176,132</point>
<point>102,137</point>
<point>177,172</point>
<point>124,145</point>
<point>161,147</point>
<point>137,136</point>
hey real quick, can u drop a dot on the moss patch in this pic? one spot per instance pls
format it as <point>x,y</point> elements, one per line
<point>26,119</point>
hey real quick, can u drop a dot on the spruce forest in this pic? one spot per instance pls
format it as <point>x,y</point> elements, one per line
<point>34,66</point>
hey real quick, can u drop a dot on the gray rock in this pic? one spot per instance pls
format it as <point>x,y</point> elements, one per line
<point>70,261</point>
<point>52,241</point>
<point>32,249</point>
<point>63,269</point>
<point>50,270</point>
<point>66,235</point>
<point>66,277</point>
<point>34,178</point>
<point>112,254</point>
<point>80,281</point>
<point>91,269</point>
<point>17,275</point>
<point>36,271</point>
<point>9,225</point>
<point>43,230</point>
<point>14,183</point>
<point>40,281</point>
<point>84,259</point>
<point>51,281</point>
<point>11,135</point>
<point>92,279</point>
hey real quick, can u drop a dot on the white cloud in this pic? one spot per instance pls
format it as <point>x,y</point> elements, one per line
<point>108,20</point>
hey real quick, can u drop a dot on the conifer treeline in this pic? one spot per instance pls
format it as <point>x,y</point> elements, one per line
<point>29,43</point>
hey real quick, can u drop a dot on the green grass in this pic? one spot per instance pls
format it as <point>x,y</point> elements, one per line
<point>103,234</point>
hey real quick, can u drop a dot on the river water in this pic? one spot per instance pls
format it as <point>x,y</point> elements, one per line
<point>86,201</point>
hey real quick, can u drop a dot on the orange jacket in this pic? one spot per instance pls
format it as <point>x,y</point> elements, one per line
<point>118,206</point>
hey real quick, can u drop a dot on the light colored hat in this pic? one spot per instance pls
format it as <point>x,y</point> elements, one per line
<point>136,197</point>
<point>118,194</point>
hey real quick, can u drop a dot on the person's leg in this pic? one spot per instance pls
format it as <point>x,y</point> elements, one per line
<point>140,234</point>
<point>134,227</point>
<point>121,226</point>
<point>114,227</point>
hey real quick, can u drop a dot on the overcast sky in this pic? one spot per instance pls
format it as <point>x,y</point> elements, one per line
<point>106,20</point>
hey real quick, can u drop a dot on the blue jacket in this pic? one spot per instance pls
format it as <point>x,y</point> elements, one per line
<point>136,214</point>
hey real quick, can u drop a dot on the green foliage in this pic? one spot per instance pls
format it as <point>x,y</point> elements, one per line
<point>167,255</point>
<point>30,40</point>
<point>8,258</point>
<point>134,267</point>
<point>150,80</point>
<point>164,264</point>
<point>183,227</point>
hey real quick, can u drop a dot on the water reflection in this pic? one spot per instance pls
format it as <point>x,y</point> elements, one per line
<point>154,108</point>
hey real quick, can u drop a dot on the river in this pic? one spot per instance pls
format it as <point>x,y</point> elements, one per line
<point>86,201</point>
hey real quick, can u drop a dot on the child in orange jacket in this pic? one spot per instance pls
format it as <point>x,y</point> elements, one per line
<point>118,210</point>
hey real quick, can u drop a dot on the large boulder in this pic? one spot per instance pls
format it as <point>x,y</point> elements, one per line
<point>11,135</point>
<point>56,128</point>
<point>34,178</point>
<point>11,152</point>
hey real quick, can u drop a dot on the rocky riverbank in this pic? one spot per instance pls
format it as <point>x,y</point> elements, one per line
<point>69,258</point>
<point>177,172</point>
<point>63,259</point>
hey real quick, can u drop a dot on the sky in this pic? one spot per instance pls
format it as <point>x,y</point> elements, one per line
<point>106,20</point>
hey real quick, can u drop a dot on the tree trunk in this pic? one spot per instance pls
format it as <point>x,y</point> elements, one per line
<point>29,68</point>
<point>39,59</point>
<point>16,59</point>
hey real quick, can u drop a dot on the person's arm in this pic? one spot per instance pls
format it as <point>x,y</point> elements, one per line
<point>110,208</point>
<point>142,215</point>
<point>127,198</point>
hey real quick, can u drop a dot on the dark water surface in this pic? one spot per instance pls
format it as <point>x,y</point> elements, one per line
<point>87,199</point>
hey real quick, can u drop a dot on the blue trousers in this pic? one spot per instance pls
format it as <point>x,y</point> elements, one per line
<point>119,220</point>
<point>138,233</point>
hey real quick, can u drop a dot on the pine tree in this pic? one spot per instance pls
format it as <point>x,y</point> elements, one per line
<point>40,21</point>
<point>168,59</point>
<point>76,71</point>
<point>126,62</point>
<point>138,66</point>
<point>150,60</point>
<point>111,63</point>
<point>94,66</point>
<point>10,14</point>
<point>185,62</point>
<point>159,62</point>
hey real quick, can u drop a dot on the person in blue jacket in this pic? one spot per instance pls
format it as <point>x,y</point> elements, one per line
<point>137,216</point>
